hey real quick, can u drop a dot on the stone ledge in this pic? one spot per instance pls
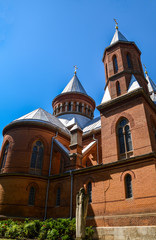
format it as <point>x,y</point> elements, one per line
<point>125,233</point>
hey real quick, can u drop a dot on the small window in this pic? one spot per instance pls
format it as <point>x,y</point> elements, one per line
<point>124,138</point>
<point>5,153</point>
<point>129,62</point>
<point>58,197</point>
<point>106,72</point>
<point>31,201</point>
<point>128,186</point>
<point>37,156</point>
<point>89,191</point>
<point>80,107</point>
<point>69,107</point>
<point>115,64</point>
<point>118,89</point>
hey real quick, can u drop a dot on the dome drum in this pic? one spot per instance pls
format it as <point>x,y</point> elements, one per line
<point>75,103</point>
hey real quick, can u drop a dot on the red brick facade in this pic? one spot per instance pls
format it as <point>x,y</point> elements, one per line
<point>94,157</point>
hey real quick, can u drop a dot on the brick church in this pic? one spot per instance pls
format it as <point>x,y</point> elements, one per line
<point>46,158</point>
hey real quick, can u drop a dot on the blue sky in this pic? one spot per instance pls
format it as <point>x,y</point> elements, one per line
<point>41,41</point>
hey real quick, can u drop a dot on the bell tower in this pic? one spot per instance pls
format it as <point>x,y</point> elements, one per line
<point>127,106</point>
<point>122,60</point>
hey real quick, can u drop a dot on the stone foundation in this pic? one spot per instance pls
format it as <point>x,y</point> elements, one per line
<point>125,233</point>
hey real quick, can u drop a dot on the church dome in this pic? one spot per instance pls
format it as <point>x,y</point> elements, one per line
<point>38,117</point>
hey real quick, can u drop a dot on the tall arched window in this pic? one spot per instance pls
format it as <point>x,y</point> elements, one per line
<point>124,139</point>
<point>69,107</point>
<point>115,64</point>
<point>128,186</point>
<point>4,157</point>
<point>58,194</point>
<point>118,89</point>
<point>80,107</point>
<point>89,191</point>
<point>129,62</point>
<point>106,72</point>
<point>37,157</point>
<point>31,200</point>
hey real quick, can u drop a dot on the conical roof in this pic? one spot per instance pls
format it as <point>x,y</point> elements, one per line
<point>74,86</point>
<point>118,36</point>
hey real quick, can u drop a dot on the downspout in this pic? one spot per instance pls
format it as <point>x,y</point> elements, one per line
<point>97,146</point>
<point>71,194</point>
<point>47,192</point>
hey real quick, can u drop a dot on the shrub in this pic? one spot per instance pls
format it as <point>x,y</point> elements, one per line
<point>52,234</point>
<point>89,233</point>
<point>31,229</point>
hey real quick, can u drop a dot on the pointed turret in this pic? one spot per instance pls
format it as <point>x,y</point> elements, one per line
<point>73,104</point>
<point>74,86</point>
<point>122,65</point>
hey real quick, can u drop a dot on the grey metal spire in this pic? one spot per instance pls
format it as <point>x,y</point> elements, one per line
<point>118,35</point>
<point>74,86</point>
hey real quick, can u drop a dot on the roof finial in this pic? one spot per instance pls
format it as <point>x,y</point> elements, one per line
<point>75,69</point>
<point>116,24</point>
<point>145,69</point>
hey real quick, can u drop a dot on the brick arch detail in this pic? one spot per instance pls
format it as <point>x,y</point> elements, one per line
<point>36,138</point>
<point>128,171</point>
<point>89,179</point>
<point>117,119</point>
<point>32,184</point>
<point>11,142</point>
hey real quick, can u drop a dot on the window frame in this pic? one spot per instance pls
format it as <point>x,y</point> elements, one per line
<point>129,61</point>
<point>31,199</point>
<point>122,139</point>
<point>4,155</point>
<point>115,64</point>
<point>89,191</point>
<point>128,186</point>
<point>37,168</point>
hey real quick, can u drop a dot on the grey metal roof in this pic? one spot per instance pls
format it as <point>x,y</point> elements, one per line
<point>70,119</point>
<point>62,146</point>
<point>92,125</point>
<point>40,115</point>
<point>133,84</point>
<point>74,86</point>
<point>151,84</point>
<point>118,36</point>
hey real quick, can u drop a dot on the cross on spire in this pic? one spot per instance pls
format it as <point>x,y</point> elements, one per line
<point>116,24</point>
<point>75,69</point>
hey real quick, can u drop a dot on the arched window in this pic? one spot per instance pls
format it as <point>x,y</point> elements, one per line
<point>80,107</point>
<point>118,89</point>
<point>58,194</point>
<point>37,157</point>
<point>89,191</point>
<point>106,72</point>
<point>31,200</point>
<point>129,62</point>
<point>124,139</point>
<point>128,186</point>
<point>115,64</point>
<point>4,157</point>
<point>69,107</point>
